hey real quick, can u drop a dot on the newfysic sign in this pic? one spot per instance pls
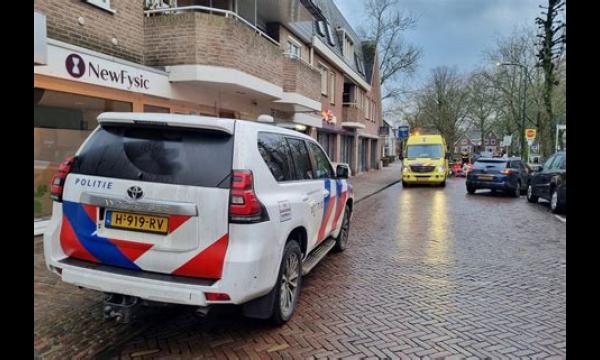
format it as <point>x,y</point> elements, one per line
<point>77,67</point>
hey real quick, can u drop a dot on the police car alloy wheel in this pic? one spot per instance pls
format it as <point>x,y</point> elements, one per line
<point>289,282</point>
<point>554,201</point>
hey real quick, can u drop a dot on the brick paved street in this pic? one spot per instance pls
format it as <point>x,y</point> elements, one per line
<point>430,273</point>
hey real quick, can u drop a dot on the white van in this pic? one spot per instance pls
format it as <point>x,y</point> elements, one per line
<point>196,210</point>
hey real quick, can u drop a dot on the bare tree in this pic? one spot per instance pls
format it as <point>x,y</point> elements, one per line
<point>552,40</point>
<point>482,101</point>
<point>442,103</point>
<point>385,25</point>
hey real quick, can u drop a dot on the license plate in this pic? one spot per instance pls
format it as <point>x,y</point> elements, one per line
<point>485,177</point>
<point>137,222</point>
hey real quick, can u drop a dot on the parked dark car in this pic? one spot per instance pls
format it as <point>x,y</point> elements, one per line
<point>550,183</point>
<point>509,175</point>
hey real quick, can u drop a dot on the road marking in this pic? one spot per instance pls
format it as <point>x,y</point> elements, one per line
<point>561,218</point>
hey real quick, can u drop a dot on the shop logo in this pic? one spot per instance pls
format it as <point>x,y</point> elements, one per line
<point>75,65</point>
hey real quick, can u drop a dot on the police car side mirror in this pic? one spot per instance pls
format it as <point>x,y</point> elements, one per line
<point>342,171</point>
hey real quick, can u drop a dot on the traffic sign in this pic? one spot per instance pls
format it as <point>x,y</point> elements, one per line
<point>507,140</point>
<point>403,132</point>
<point>530,134</point>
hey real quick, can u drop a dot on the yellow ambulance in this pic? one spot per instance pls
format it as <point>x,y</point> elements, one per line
<point>425,160</point>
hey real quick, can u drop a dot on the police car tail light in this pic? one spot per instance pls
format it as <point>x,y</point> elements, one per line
<point>244,206</point>
<point>217,297</point>
<point>58,180</point>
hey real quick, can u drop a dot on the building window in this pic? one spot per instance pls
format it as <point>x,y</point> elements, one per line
<point>332,87</point>
<point>324,72</point>
<point>330,35</point>
<point>294,49</point>
<point>62,121</point>
<point>348,47</point>
<point>359,64</point>
<point>102,4</point>
<point>493,141</point>
<point>321,27</point>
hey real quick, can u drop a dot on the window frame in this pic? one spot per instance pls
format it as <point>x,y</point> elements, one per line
<point>310,163</point>
<point>314,160</point>
<point>101,4</point>
<point>331,83</point>
<point>294,43</point>
<point>331,40</point>
<point>291,164</point>
<point>324,69</point>
<point>321,28</point>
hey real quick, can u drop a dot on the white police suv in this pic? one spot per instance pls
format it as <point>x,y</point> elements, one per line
<point>164,208</point>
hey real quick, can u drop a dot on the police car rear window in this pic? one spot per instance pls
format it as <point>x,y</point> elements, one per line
<point>163,155</point>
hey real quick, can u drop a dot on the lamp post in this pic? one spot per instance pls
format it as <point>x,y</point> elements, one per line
<point>523,115</point>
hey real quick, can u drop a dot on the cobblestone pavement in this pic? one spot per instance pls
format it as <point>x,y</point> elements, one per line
<point>430,273</point>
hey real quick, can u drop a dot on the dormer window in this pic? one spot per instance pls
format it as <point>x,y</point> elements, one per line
<point>348,48</point>
<point>359,64</point>
<point>321,27</point>
<point>330,35</point>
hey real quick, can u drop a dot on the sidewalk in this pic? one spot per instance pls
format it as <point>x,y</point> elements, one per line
<point>368,183</point>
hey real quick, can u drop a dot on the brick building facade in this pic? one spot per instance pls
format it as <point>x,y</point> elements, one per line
<point>228,60</point>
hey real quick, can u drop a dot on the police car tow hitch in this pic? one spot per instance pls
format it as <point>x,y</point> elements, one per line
<point>121,307</point>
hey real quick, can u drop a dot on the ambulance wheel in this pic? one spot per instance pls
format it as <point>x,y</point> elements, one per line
<point>341,242</point>
<point>405,184</point>
<point>287,287</point>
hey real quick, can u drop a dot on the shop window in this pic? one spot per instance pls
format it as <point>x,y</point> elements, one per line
<point>61,122</point>
<point>156,109</point>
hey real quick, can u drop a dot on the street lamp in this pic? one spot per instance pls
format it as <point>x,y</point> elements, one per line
<point>522,136</point>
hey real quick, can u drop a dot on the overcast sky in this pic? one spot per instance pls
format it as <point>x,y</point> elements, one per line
<point>455,32</point>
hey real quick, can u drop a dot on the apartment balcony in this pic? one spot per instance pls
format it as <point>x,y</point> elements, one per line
<point>220,51</point>
<point>353,116</point>
<point>303,79</point>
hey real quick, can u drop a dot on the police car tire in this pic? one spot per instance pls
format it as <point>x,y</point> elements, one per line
<point>340,243</point>
<point>277,317</point>
<point>404,184</point>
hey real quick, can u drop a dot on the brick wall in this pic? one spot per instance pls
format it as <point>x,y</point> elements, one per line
<point>100,26</point>
<point>301,78</point>
<point>205,39</point>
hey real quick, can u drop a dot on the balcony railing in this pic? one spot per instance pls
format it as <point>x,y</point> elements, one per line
<point>210,10</point>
